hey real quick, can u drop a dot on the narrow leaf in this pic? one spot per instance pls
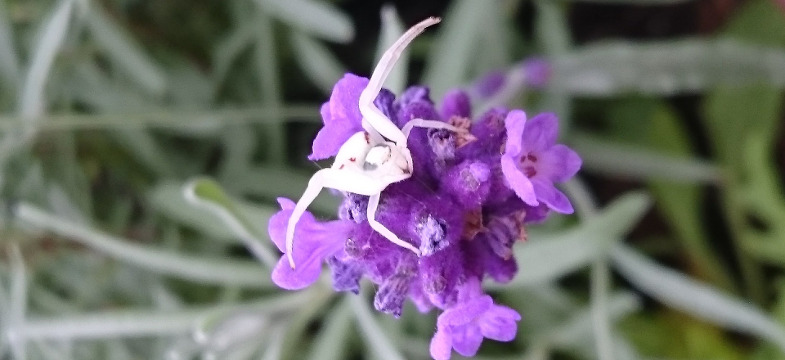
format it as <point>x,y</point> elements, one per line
<point>49,40</point>
<point>666,68</point>
<point>547,257</point>
<point>702,301</point>
<point>318,63</point>
<point>392,29</point>
<point>318,18</point>
<point>204,270</point>
<point>130,57</point>
<point>208,195</point>
<point>634,162</point>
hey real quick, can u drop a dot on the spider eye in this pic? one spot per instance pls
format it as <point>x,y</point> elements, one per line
<point>377,156</point>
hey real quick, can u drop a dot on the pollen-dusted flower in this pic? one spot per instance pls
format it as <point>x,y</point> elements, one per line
<point>466,204</point>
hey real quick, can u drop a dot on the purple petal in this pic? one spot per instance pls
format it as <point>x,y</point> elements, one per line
<point>467,340</point>
<point>313,242</point>
<point>441,345</point>
<point>537,72</point>
<point>276,227</point>
<point>490,83</point>
<point>559,163</point>
<point>551,196</point>
<point>456,103</point>
<point>414,94</point>
<point>515,122</point>
<point>541,132</point>
<point>499,323</point>
<point>341,117</point>
<point>518,181</point>
<point>464,313</point>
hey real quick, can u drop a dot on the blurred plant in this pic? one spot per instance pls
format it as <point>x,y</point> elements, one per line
<point>110,108</point>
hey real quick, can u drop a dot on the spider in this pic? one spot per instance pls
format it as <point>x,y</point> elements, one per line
<point>374,158</point>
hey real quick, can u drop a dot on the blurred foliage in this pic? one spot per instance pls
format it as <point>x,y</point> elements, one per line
<point>143,144</point>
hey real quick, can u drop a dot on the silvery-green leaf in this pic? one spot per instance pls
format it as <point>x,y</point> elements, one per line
<point>130,57</point>
<point>9,58</point>
<point>392,29</point>
<point>452,52</point>
<point>702,301</point>
<point>377,341</point>
<point>49,40</point>
<point>548,256</point>
<point>199,269</point>
<point>318,18</point>
<point>318,63</point>
<point>666,68</point>
<point>632,162</point>
<point>208,195</point>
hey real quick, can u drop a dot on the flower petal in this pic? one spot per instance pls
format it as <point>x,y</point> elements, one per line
<point>499,323</point>
<point>517,181</point>
<point>341,117</point>
<point>541,132</point>
<point>456,103</point>
<point>559,163</point>
<point>441,345</point>
<point>295,279</point>
<point>515,123</point>
<point>313,242</point>
<point>464,313</point>
<point>467,340</point>
<point>551,196</point>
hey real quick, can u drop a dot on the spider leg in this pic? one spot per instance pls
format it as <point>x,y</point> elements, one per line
<point>372,117</point>
<point>431,124</point>
<point>373,204</point>
<point>328,178</point>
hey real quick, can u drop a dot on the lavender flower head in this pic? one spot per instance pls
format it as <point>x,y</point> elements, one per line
<point>467,202</point>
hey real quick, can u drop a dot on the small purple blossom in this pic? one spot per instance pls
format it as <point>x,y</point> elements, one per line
<point>317,241</point>
<point>467,203</point>
<point>536,72</point>
<point>463,326</point>
<point>532,160</point>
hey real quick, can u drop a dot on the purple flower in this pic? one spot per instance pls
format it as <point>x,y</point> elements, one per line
<point>315,242</point>
<point>537,72</point>
<point>468,201</point>
<point>532,161</point>
<point>464,326</point>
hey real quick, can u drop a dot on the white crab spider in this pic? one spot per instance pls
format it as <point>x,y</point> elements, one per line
<point>368,162</point>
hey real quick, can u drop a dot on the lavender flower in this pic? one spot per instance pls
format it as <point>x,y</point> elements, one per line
<point>463,326</point>
<point>469,198</point>
<point>532,160</point>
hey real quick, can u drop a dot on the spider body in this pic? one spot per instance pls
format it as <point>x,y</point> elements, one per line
<point>372,159</point>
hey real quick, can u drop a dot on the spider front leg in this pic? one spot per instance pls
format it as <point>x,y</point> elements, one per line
<point>429,124</point>
<point>373,119</point>
<point>373,204</point>
<point>332,178</point>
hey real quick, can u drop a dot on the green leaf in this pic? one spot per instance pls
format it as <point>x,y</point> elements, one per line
<point>318,62</point>
<point>377,341</point>
<point>9,58</point>
<point>317,18</point>
<point>549,256</point>
<point>199,269</point>
<point>666,68</point>
<point>452,53</point>
<point>50,38</point>
<point>704,302</point>
<point>392,29</point>
<point>636,162</point>
<point>124,52</point>
<point>208,195</point>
